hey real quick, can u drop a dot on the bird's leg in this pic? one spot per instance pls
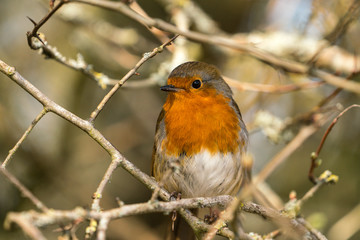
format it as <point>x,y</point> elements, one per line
<point>212,216</point>
<point>174,196</point>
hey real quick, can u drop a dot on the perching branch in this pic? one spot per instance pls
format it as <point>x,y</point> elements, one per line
<point>54,216</point>
<point>35,219</point>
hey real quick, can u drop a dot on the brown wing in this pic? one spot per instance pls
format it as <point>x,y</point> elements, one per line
<point>159,137</point>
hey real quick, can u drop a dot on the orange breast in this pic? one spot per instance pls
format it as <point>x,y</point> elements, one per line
<point>200,121</point>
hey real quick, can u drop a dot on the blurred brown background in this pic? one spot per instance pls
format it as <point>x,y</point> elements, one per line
<point>62,166</point>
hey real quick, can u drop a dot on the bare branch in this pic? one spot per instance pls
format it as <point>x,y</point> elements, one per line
<point>324,178</point>
<point>267,88</point>
<point>288,65</point>
<point>24,191</point>
<point>132,72</point>
<point>341,27</point>
<point>103,225</point>
<point>343,83</point>
<point>316,233</point>
<point>315,155</point>
<point>37,26</point>
<point>54,216</point>
<point>23,137</point>
<point>304,133</point>
<point>77,64</point>
<point>25,224</point>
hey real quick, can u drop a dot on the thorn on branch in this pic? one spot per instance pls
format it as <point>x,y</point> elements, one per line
<point>119,202</point>
<point>37,26</point>
<point>31,20</point>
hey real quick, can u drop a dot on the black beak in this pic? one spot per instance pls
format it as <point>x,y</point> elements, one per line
<point>170,88</point>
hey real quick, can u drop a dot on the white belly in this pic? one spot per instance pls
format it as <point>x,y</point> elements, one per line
<point>208,175</point>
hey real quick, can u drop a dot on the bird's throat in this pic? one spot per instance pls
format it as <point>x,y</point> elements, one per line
<point>194,123</point>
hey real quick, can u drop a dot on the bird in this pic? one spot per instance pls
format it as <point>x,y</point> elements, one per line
<point>200,135</point>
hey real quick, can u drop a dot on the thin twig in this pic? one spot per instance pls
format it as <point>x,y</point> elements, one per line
<point>331,96</point>
<point>325,178</point>
<point>161,35</point>
<point>24,191</point>
<point>104,181</point>
<point>267,88</point>
<point>343,24</point>
<point>320,106</point>
<point>341,27</point>
<point>340,82</point>
<point>26,225</point>
<point>311,192</point>
<point>283,221</point>
<point>313,231</point>
<point>37,26</point>
<point>101,230</point>
<point>291,227</point>
<point>280,157</point>
<point>77,64</point>
<point>23,137</point>
<point>315,155</point>
<point>132,72</point>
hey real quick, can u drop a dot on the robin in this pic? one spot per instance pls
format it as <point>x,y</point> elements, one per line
<point>200,133</point>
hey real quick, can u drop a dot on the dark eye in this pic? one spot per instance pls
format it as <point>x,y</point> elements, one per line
<point>196,84</point>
